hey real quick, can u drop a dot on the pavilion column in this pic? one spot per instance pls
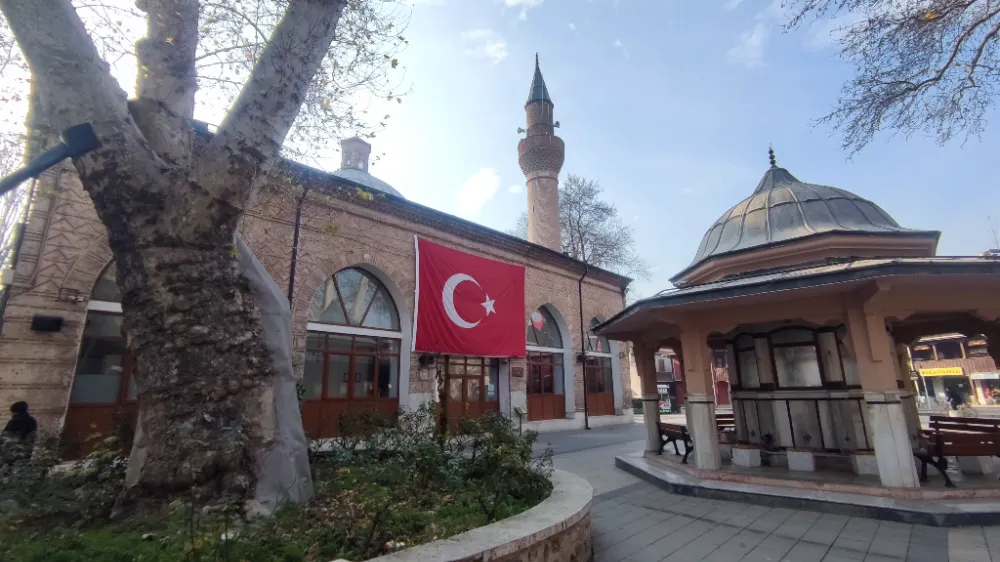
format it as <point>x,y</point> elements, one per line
<point>877,369</point>
<point>645,364</point>
<point>700,399</point>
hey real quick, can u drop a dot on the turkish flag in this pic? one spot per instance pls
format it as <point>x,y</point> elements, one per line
<point>467,305</point>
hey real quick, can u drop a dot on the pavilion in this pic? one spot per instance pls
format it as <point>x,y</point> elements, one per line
<point>813,292</point>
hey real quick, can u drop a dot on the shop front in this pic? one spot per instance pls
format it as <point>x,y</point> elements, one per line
<point>947,385</point>
<point>987,387</point>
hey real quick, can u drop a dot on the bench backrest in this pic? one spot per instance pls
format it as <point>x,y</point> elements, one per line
<point>969,425</point>
<point>673,429</point>
<point>966,444</point>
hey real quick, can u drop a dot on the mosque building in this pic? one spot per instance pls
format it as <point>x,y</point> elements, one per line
<point>343,243</point>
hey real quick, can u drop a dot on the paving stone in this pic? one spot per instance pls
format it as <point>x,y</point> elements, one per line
<point>605,539</point>
<point>797,524</point>
<point>854,545</point>
<point>967,544</point>
<point>737,547</point>
<point>880,558</point>
<point>672,542</point>
<point>773,548</point>
<point>826,529</point>
<point>639,541</point>
<point>806,552</point>
<point>837,554</point>
<point>927,544</point>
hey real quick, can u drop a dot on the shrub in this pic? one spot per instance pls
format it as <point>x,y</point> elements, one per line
<point>379,490</point>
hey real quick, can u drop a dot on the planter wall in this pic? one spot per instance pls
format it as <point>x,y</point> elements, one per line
<point>556,530</point>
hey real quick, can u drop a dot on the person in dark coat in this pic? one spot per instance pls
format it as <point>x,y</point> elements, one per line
<point>22,427</point>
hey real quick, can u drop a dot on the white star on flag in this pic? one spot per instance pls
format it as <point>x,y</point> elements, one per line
<point>488,305</point>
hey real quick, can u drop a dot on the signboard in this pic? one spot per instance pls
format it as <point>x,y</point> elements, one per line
<point>985,376</point>
<point>942,372</point>
<point>662,388</point>
<point>517,372</point>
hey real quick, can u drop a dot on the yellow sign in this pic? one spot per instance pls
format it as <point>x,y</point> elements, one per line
<point>941,372</point>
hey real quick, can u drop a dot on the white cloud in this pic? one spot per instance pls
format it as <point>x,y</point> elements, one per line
<point>732,4</point>
<point>572,26</point>
<point>621,47</point>
<point>525,3</point>
<point>749,49</point>
<point>485,43</point>
<point>523,15</point>
<point>477,191</point>
<point>515,189</point>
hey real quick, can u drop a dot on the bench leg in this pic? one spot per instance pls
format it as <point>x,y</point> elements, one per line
<point>923,469</point>
<point>677,450</point>
<point>688,446</point>
<point>663,443</point>
<point>942,465</point>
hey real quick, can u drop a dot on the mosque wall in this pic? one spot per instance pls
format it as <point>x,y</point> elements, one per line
<point>65,249</point>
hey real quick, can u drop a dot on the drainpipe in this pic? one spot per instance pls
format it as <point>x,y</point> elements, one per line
<point>583,348</point>
<point>295,245</point>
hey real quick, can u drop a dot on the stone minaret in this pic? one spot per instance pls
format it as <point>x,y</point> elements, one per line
<point>541,156</point>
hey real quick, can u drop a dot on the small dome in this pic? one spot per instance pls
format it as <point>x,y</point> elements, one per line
<point>365,180</point>
<point>782,208</point>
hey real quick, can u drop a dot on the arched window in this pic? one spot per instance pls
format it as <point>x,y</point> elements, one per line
<point>354,297</point>
<point>600,378</point>
<point>352,351</point>
<point>546,374</point>
<point>103,389</point>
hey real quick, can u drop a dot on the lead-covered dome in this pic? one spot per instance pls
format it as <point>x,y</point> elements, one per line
<point>783,209</point>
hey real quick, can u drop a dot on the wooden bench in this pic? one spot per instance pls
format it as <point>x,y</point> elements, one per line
<point>671,433</point>
<point>725,422</point>
<point>957,437</point>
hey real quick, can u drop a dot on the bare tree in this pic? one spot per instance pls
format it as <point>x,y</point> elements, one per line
<point>592,232</point>
<point>171,202</point>
<point>921,65</point>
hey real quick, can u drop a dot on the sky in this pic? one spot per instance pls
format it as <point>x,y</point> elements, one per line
<point>670,105</point>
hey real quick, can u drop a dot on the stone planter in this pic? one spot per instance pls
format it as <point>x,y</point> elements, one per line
<point>556,530</point>
<point>864,463</point>
<point>746,456</point>
<point>801,460</point>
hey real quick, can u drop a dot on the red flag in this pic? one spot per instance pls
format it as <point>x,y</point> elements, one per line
<point>467,305</point>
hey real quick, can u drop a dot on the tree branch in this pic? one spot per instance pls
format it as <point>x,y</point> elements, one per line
<point>251,135</point>
<point>167,54</point>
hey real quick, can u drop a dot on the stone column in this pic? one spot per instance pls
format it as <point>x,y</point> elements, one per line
<point>700,399</point>
<point>645,364</point>
<point>876,364</point>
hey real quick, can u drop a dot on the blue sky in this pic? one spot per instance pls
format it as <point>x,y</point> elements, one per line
<point>670,105</point>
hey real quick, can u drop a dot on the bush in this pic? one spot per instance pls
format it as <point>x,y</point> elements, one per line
<point>379,490</point>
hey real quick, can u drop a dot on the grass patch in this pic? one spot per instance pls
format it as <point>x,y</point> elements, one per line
<point>384,491</point>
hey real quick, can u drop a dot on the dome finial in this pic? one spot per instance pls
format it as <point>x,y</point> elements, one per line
<point>770,156</point>
<point>536,60</point>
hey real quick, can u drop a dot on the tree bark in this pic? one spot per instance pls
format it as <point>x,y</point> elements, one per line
<point>205,384</point>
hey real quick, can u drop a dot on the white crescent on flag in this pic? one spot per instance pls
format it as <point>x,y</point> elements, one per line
<point>448,298</point>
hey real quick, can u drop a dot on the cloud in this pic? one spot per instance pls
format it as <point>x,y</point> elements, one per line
<point>829,32</point>
<point>572,27</point>
<point>428,2</point>
<point>477,191</point>
<point>524,4</point>
<point>486,44</point>
<point>515,189</point>
<point>732,4</point>
<point>621,47</point>
<point>749,49</point>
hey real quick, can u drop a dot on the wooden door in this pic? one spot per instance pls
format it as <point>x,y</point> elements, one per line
<point>103,399</point>
<point>600,387</point>
<point>470,386</point>
<point>546,400</point>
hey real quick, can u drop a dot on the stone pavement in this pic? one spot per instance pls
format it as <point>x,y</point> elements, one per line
<point>641,523</point>
<point>635,521</point>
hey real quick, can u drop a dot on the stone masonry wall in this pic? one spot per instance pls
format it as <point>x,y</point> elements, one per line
<point>65,250</point>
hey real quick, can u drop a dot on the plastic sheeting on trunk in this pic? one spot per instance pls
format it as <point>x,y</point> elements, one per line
<point>284,474</point>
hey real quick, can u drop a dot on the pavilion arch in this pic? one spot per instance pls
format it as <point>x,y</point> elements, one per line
<point>545,358</point>
<point>357,322</point>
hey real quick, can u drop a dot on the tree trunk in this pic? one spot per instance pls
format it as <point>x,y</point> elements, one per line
<point>207,386</point>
